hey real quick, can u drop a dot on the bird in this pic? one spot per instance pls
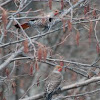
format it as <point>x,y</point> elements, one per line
<point>53,82</point>
<point>39,22</point>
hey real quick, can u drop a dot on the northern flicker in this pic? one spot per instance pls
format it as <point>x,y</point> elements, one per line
<point>39,22</point>
<point>53,81</point>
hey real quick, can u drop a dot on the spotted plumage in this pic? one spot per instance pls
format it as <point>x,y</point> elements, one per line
<point>53,81</point>
<point>39,22</point>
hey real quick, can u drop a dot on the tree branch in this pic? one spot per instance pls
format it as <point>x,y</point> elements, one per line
<point>65,88</point>
<point>6,2</point>
<point>3,65</point>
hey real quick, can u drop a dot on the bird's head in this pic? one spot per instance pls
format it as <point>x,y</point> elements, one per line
<point>58,68</point>
<point>56,12</point>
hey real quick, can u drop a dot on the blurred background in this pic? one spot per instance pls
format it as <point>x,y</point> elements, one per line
<point>76,47</point>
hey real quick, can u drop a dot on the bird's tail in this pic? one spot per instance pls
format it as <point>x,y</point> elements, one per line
<point>49,96</point>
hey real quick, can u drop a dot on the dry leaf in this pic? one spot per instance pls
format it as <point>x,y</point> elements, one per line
<point>25,43</point>
<point>77,37</point>
<point>38,81</point>
<point>90,30</point>
<point>98,48</point>
<point>91,27</point>
<point>69,25</point>
<point>62,4</point>
<point>50,4</point>
<point>36,66</point>
<point>13,84</point>
<point>64,23</point>
<point>94,13</point>
<point>86,9</point>
<point>31,69</point>
<point>39,53</point>
<point>44,53</point>
<point>7,72</point>
<point>4,18</point>
<point>14,87</point>
<point>21,83</point>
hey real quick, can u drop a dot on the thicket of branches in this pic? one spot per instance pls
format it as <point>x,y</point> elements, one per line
<point>66,33</point>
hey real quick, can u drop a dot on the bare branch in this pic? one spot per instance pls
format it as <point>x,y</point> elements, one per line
<point>65,88</point>
<point>6,2</point>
